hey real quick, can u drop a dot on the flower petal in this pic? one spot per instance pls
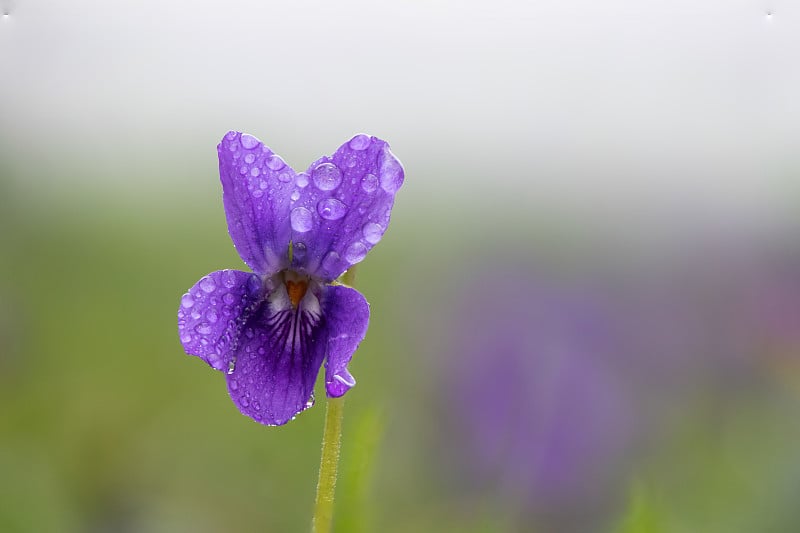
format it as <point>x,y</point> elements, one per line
<point>256,185</point>
<point>212,313</point>
<point>341,207</point>
<point>347,316</point>
<point>279,355</point>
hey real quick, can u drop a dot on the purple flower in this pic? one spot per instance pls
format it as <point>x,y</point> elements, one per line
<point>270,330</point>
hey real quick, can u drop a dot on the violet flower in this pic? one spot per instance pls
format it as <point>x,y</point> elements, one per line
<point>269,331</point>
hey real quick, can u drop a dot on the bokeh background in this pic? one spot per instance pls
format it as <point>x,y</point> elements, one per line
<point>585,314</point>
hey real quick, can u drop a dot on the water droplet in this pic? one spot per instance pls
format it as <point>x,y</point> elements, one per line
<point>302,219</point>
<point>359,142</point>
<point>195,314</point>
<point>258,193</point>
<point>262,184</point>
<point>255,171</point>
<point>257,405</point>
<point>249,158</point>
<point>327,176</point>
<point>372,232</point>
<point>248,141</point>
<point>331,209</point>
<point>187,301</point>
<point>186,338</point>
<point>245,401</point>
<point>228,298</point>
<point>212,316</point>
<point>203,328</point>
<point>300,250</point>
<point>356,252</point>
<point>231,135</point>
<point>310,401</point>
<point>285,177</point>
<point>243,170</point>
<point>295,196</point>
<point>207,284</point>
<point>234,383</point>
<point>369,183</point>
<point>331,260</point>
<point>275,162</point>
<point>302,180</point>
<point>229,278</point>
<point>391,171</point>
<point>254,284</point>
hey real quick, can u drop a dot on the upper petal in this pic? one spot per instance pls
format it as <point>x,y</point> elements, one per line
<point>341,207</point>
<point>256,185</point>
<point>212,313</point>
<point>278,359</point>
<point>347,317</point>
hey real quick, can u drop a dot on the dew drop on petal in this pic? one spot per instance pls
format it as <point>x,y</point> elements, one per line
<point>187,301</point>
<point>391,172</point>
<point>302,219</point>
<point>327,176</point>
<point>195,314</point>
<point>331,260</point>
<point>262,184</point>
<point>249,158</point>
<point>243,170</point>
<point>258,193</point>
<point>207,284</point>
<point>254,284</point>
<point>186,338</point>
<point>331,209</point>
<point>302,179</point>
<point>234,383</point>
<point>229,279</point>
<point>228,298</point>
<point>285,177</point>
<point>295,196</point>
<point>212,316</point>
<point>245,401</point>
<point>275,162</point>
<point>203,328</point>
<point>359,142</point>
<point>255,171</point>
<point>369,183</point>
<point>248,141</point>
<point>372,232</point>
<point>356,252</point>
<point>299,249</point>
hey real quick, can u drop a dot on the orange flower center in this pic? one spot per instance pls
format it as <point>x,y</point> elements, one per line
<point>296,291</point>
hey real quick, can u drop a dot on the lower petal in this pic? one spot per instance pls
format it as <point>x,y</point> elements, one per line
<point>278,358</point>
<point>347,317</point>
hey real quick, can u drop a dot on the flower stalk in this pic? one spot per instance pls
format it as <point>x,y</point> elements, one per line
<point>331,448</point>
<point>328,466</point>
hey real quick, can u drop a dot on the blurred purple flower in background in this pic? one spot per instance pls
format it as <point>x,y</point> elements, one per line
<point>270,330</point>
<point>558,385</point>
<point>535,408</point>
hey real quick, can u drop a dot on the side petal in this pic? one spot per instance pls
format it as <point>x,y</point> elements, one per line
<point>278,359</point>
<point>256,186</point>
<point>347,315</point>
<point>342,205</point>
<point>212,313</point>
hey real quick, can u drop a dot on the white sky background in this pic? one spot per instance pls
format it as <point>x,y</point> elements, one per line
<point>676,107</point>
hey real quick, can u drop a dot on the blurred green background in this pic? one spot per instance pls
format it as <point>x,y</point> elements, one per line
<point>636,161</point>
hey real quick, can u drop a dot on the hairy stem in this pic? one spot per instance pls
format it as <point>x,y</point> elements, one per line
<point>329,463</point>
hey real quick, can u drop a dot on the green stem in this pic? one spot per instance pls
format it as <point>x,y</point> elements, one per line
<point>328,465</point>
<point>331,447</point>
